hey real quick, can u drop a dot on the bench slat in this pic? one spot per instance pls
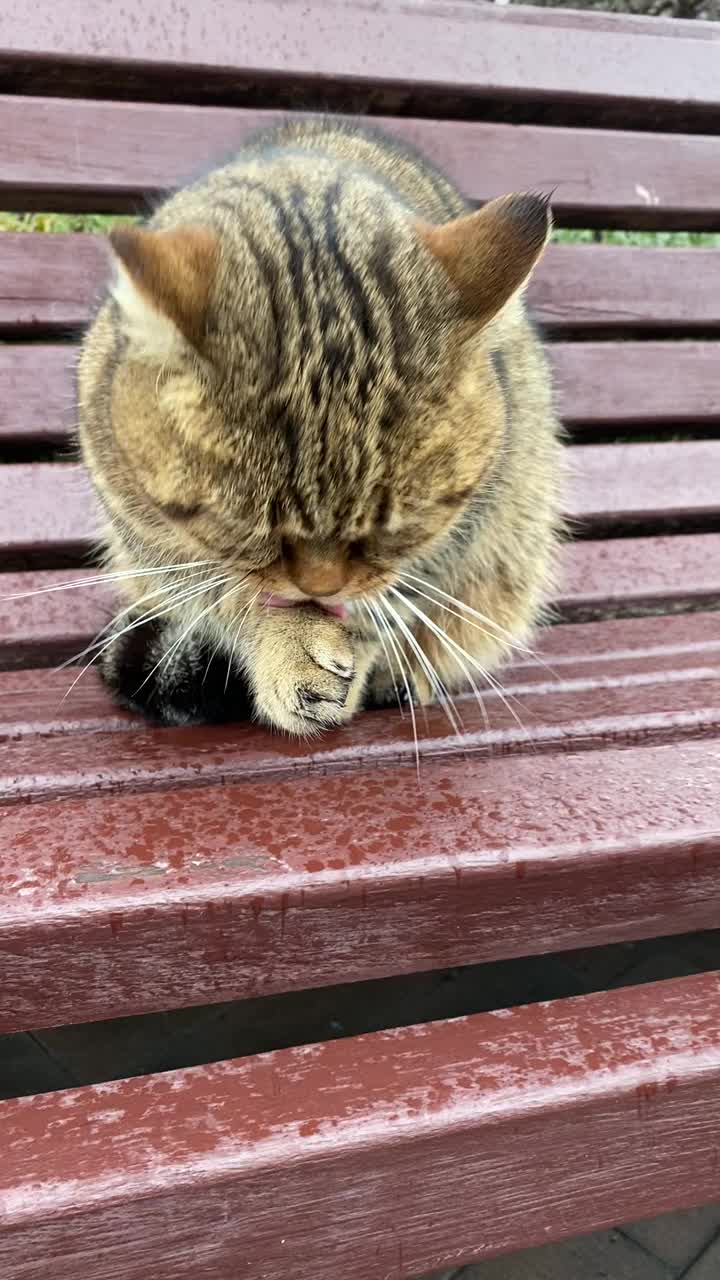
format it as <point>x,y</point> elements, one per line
<point>314,1152</point>
<point>48,626</point>
<point>599,384</point>
<point>570,658</point>
<point>118,156</point>
<point>37,391</point>
<point>51,283</point>
<point>472,53</point>
<point>108,902</point>
<point>650,383</point>
<point>554,716</point>
<point>631,573</point>
<point>48,507</point>
<point>623,483</point>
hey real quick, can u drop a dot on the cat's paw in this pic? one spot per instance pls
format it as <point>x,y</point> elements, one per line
<point>304,672</point>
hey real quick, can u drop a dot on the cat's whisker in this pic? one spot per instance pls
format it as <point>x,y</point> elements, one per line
<point>184,634</point>
<point>469,622</point>
<point>98,637</point>
<point>446,642</point>
<point>99,578</point>
<point>404,581</point>
<point>187,590</point>
<point>378,606</point>
<point>500,631</point>
<point>436,683</point>
<point>216,650</point>
<point>506,636</point>
<point>233,649</point>
<point>148,617</point>
<point>385,650</point>
<point>103,646</point>
<point>460,653</point>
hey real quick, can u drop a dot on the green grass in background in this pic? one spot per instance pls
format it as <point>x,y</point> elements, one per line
<point>99,222</point>
<point>650,239</point>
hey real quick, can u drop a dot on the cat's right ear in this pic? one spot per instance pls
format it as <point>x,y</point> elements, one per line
<point>163,285</point>
<point>489,255</point>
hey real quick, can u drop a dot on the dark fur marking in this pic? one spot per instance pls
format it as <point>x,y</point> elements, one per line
<point>193,688</point>
<point>353,288</point>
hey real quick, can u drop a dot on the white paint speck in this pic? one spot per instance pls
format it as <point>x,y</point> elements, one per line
<point>650,197</point>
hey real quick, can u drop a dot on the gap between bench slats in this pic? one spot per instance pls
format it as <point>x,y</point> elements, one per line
<point>49,508</point>
<point>612,577</point>
<point>51,283</point>
<point>121,157</point>
<point>117,904</point>
<point>314,1152</point>
<point>458,53</point>
<point>599,384</point>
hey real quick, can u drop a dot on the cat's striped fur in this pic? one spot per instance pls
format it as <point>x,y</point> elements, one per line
<point>314,384</point>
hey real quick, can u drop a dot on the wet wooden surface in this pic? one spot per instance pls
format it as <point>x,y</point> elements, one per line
<point>269,881</point>
<point>390,1154</point>
<point>538,716</point>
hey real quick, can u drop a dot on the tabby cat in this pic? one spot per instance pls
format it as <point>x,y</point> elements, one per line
<point>320,425</point>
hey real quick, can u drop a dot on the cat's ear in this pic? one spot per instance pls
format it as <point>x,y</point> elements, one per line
<point>163,285</point>
<point>490,254</point>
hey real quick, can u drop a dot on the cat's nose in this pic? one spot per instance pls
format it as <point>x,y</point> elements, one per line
<point>316,571</point>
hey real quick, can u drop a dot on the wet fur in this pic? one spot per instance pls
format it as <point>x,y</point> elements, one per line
<point>304,378</point>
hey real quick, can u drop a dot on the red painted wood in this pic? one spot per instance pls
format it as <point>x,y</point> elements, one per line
<point>650,383</point>
<point>51,282</point>
<point>458,48</point>
<point>46,507</point>
<point>570,659</point>
<point>111,904</point>
<point>598,384</point>
<point>390,1154</point>
<point>609,287</point>
<point>37,391</point>
<point>551,716</point>
<point>116,155</point>
<point>690,636</point>
<point>42,627</point>
<point>619,484</point>
<point>631,573</point>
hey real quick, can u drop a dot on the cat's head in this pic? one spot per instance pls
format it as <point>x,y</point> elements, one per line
<point>306,391</point>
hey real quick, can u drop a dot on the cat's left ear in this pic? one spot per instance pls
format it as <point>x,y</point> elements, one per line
<point>489,255</point>
<point>163,285</point>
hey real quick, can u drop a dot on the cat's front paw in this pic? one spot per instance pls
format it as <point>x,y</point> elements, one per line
<point>304,672</point>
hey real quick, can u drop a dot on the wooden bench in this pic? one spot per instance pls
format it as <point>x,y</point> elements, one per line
<point>145,869</point>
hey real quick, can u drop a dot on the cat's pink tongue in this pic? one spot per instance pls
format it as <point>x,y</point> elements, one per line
<point>272,601</point>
